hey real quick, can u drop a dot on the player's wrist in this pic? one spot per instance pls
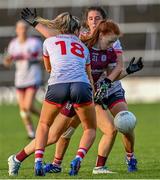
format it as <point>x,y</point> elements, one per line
<point>128,71</point>
<point>34,24</point>
<point>107,80</point>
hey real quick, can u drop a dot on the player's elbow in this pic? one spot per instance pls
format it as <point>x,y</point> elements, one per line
<point>48,70</point>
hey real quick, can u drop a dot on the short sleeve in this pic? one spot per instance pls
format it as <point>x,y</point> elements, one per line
<point>112,57</point>
<point>45,52</point>
<point>88,59</point>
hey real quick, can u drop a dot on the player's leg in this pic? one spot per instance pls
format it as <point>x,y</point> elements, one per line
<point>62,145</point>
<point>25,115</point>
<point>128,139</point>
<point>56,96</point>
<point>64,140</point>
<point>48,114</point>
<point>81,95</point>
<point>105,124</point>
<point>29,99</point>
<point>35,110</point>
<point>14,161</point>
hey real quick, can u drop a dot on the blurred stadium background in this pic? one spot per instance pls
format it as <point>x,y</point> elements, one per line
<point>139,21</point>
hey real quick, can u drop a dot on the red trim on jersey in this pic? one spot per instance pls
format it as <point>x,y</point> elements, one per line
<point>51,102</point>
<point>83,104</point>
<point>116,102</point>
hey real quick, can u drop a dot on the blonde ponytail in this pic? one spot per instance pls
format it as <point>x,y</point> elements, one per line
<point>64,23</point>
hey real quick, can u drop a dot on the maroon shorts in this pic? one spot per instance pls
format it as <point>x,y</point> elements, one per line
<point>68,110</point>
<point>23,89</point>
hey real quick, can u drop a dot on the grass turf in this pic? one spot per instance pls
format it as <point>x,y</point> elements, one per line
<point>13,138</point>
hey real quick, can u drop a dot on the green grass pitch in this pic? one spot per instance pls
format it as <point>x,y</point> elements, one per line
<point>147,147</point>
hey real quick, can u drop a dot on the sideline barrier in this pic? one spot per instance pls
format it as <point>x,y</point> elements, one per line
<point>138,90</point>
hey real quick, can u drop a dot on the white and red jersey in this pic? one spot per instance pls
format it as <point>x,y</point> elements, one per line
<point>68,57</point>
<point>26,57</point>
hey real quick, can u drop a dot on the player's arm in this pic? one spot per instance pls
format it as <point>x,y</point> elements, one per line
<point>44,30</point>
<point>47,63</point>
<point>114,71</point>
<point>8,56</point>
<point>88,71</point>
<point>30,16</point>
<point>7,62</point>
<point>132,68</point>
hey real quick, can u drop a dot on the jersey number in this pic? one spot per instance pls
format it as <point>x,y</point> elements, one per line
<point>76,48</point>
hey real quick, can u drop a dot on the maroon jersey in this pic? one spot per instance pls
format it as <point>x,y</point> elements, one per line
<point>100,59</point>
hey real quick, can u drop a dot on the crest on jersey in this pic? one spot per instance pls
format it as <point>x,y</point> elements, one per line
<point>103,58</point>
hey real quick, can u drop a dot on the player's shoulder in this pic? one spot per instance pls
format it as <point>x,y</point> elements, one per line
<point>52,38</point>
<point>13,41</point>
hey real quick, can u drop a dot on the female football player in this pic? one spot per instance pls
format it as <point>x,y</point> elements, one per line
<point>25,52</point>
<point>67,60</point>
<point>109,27</point>
<point>115,101</point>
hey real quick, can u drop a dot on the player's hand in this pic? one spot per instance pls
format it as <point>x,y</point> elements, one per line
<point>134,67</point>
<point>29,16</point>
<point>106,83</point>
<point>102,91</point>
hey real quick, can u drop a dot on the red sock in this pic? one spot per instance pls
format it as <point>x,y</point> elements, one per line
<point>81,153</point>
<point>39,155</point>
<point>57,161</point>
<point>21,156</point>
<point>101,161</point>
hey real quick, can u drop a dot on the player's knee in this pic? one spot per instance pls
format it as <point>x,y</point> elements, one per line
<point>52,139</point>
<point>25,114</point>
<point>68,133</point>
<point>90,133</point>
<point>112,131</point>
